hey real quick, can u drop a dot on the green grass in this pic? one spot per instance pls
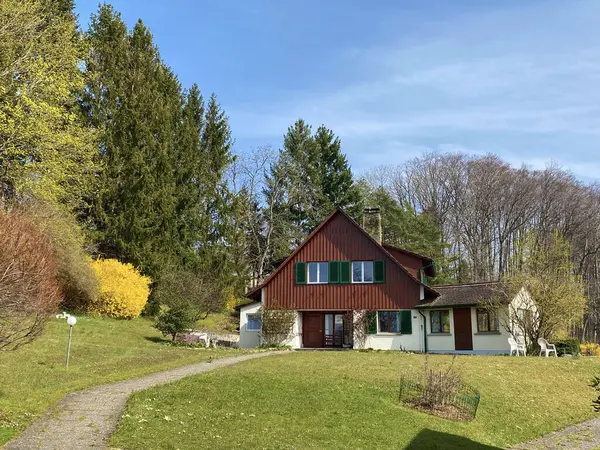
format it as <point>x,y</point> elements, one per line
<point>103,350</point>
<point>341,400</point>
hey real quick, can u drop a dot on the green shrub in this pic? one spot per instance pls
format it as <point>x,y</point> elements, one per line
<point>79,284</point>
<point>175,320</point>
<point>199,292</point>
<point>124,290</point>
<point>567,347</point>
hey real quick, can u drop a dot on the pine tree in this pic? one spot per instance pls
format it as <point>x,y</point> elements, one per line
<point>316,179</point>
<point>339,189</point>
<point>190,168</point>
<point>134,100</point>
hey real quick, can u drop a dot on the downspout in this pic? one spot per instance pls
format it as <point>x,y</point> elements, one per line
<point>424,329</point>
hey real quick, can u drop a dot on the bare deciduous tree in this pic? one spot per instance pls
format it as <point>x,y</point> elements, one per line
<point>29,291</point>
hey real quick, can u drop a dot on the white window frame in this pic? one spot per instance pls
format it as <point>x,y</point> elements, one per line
<point>254,316</point>
<point>318,263</point>
<point>362,272</point>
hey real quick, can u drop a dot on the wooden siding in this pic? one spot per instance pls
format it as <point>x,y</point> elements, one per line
<point>340,239</point>
<point>410,262</point>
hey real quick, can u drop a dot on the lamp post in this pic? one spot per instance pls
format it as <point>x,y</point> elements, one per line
<point>71,320</point>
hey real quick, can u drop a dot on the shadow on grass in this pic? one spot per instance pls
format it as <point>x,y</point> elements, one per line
<point>157,340</point>
<point>429,439</point>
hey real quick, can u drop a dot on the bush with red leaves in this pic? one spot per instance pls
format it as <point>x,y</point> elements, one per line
<point>29,292</point>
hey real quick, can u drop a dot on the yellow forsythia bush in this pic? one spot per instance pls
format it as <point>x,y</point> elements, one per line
<point>124,290</point>
<point>590,349</point>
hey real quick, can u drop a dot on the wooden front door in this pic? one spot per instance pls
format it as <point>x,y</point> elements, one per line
<point>312,329</point>
<point>463,334</point>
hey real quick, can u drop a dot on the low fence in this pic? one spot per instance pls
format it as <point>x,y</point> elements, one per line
<point>435,394</point>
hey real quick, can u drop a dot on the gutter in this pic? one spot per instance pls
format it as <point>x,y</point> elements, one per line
<point>424,329</point>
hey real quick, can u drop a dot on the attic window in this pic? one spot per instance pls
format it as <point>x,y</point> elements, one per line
<point>318,272</point>
<point>362,271</point>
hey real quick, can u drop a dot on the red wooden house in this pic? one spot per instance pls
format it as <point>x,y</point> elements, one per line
<point>340,273</point>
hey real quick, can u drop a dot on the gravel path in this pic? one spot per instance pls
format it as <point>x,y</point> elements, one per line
<point>86,419</point>
<point>584,436</point>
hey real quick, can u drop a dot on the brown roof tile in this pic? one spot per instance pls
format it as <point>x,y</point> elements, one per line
<point>461,294</point>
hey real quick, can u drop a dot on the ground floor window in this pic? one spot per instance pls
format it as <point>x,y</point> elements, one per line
<point>253,322</point>
<point>487,320</point>
<point>389,321</point>
<point>440,321</point>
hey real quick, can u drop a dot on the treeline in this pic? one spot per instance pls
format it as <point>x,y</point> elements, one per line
<point>103,148</point>
<point>112,158</point>
<point>485,210</point>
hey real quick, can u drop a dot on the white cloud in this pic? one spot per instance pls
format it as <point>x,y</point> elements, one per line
<point>490,80</point>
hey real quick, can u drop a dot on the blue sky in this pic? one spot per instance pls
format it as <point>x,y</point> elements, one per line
<point>394,78</point>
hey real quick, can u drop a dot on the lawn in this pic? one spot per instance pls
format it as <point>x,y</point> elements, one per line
<point>104,350</point>
<point>341,400</point>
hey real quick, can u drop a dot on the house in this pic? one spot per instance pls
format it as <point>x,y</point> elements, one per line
<point>347,289</point>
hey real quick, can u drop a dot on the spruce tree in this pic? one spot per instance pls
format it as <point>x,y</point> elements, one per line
<point>339,189</point>
<point>316,179</point>
<point>133,99</point>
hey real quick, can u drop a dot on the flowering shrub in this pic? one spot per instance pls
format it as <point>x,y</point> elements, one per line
<point>124,290</point>
<point>590,349</point>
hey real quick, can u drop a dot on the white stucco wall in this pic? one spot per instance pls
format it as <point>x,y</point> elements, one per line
<point>252,339</point>
<point>483,342</point>
<point>248,339</point>
<point>490,342</point>
<point>439,342</point>
<point>387,341</point>
<point>295,340</point>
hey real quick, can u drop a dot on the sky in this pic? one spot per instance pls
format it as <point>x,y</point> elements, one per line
<point>394,78</point>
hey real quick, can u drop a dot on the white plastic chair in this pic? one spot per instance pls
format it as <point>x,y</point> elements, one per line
<point>516,347</point>
<point>546,347</point>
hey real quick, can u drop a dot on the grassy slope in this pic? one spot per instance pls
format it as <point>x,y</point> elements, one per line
<point>339,400</point>
<point>103,350</point>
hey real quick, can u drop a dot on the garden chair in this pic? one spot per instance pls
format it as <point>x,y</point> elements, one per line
<point>546,347</point>
<point>516,347</point>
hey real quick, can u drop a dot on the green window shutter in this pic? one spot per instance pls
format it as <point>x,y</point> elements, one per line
<point>372,322</point>
<point>300,273</point>
<point>345,277</point>
<point>379,271</point>
<point>406,322</point>
<point>334,272</point>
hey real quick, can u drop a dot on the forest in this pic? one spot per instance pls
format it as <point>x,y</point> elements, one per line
<point>110,157</point>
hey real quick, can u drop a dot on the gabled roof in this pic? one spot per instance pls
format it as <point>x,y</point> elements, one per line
<point>408,252</point>
<point>471,294</point>
<point>252,293</point>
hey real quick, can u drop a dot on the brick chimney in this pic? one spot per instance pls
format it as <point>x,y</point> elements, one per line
<point>372,223</point>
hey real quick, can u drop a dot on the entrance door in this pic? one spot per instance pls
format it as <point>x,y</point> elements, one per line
<point>463,334</point>
<point>334,330</point>
<point>312,329</point>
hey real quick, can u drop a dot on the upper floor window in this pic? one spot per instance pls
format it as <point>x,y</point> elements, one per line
<point>362,271</point>
<point>339,272</point>
<point>318,272</point>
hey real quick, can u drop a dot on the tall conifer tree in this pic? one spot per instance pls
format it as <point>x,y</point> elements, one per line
<point>134,100</point>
